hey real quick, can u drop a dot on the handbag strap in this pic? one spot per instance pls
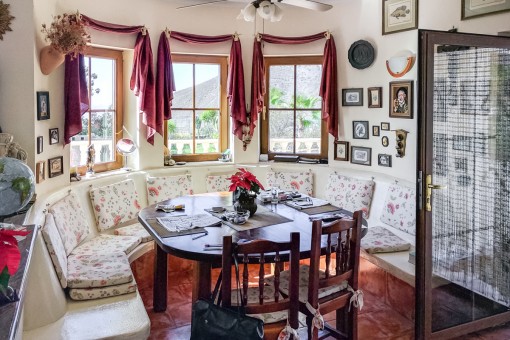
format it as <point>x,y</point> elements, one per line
<point>215,296</point>
<point>238,281</point>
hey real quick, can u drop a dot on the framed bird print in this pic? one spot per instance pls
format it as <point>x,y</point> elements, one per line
<point>399,16</point>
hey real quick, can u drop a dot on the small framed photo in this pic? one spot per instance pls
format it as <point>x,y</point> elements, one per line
<point>40,172</point>
<point>43,105</point>
<point>374,97</point>
<point>376,131</point>
<point>399,15</point>
<point>384,160</point>
<point>401,99</point>
<point>385,126</point>
<point>478,8</point>
<point>54,136</point>
<point>40,144</point>
<point>360,129</point>
<point>341,151</point>
<point>385,141</point>
<point>55,166</point>
<point>361,155</point>
<point>352,97</point>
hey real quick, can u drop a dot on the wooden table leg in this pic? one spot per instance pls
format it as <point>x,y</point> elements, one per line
<point>201,280</point>
<point>160,280</point>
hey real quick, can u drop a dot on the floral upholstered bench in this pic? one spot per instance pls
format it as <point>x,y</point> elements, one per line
<point>162,188</point>
<point>291,181</point>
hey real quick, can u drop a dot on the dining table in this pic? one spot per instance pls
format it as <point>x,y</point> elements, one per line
<point>273,222</point>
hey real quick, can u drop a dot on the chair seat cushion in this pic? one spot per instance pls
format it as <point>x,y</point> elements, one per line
<point>253,298</point>
<point>102,292</point>
<point>107,244</point>
<point>136,230</point>
<point>98,270</point>
<point>381,240</point>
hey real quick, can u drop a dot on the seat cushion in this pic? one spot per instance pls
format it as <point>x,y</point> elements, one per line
<point>253,298</point>
<point>102,292</point>
<point>216,183</point>
<point>291,181</point>
<point>350,193</point>
<point>381,240</point>
<point>70,221</point>
<point>115,204</point>
<point>107,244</point>
<point>136,230</point>
<point>164,188</point>
<point>98,270</point>
<point>56,249</point>
<point>399,210</point>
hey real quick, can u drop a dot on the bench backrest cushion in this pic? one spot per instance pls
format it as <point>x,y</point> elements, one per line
<point>291,181</point>
<point>399,210</point>
<point>215,183</point>
<point>350,193</point>
<point>164,188</point>
<point>70,221</point>
<point>114,204</point>
<point>55,248</point>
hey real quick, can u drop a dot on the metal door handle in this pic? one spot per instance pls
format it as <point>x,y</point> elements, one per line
<point>428,195</point>
<point>437,187</point>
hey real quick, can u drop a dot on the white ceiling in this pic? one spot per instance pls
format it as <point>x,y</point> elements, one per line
<point>230,3</point>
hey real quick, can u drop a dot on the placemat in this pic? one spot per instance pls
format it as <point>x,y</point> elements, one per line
<point>320,210</point>
<point>262,218</point>
<point>163,232</point>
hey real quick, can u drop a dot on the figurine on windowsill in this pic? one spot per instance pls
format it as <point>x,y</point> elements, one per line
<point>91,154</point>
<point>167,160</point>
<point>74,175</point>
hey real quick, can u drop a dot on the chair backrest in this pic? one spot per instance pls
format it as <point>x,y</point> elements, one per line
<point>341,242</point>
<point>262,252</point>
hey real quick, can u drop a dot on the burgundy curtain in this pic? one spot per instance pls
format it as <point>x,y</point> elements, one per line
<point>329,81</point>
<point>76,97</point>
<point>165,85</point>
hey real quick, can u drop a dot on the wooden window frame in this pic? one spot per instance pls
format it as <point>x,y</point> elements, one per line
<point>264,122</point>
<point>222,61</point>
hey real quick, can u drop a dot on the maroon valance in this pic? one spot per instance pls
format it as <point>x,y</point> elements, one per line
<point>235,88</point>
<point>329,81</point>
<point>76,97</point>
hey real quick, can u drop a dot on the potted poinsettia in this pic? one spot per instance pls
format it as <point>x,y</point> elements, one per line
<point>9,261</point>
<point>245,187</point>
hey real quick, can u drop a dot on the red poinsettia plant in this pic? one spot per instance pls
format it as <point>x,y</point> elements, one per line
<point>10,256</point>
<point>245,182</point>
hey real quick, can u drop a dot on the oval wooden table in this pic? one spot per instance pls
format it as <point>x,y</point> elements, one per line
<point>193,249</point>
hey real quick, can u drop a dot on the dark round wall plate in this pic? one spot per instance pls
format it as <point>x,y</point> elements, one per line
<point>361,54</point>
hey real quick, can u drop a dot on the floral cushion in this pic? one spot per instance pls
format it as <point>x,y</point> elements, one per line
<point>217,183</point>
<point>102,292</point>
<point>115,204</point>
<point>350,193</point>
<point>98,270</point>
<point>381,240</point>
<point>56,249</point>
<point>136,230</point>
<point>164,188</point>
<point>253,298</point>
<point>70,221</point>
<point>399,209</point>
<point>291,181</point>
<point>107,244</point>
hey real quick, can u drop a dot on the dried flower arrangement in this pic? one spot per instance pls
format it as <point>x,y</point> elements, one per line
<point>67,34</point>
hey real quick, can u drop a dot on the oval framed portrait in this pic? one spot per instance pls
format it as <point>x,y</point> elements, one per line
<point>385,141</point>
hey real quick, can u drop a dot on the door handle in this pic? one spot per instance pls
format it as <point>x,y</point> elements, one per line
<point>428,195</point>
<point>437,187</point>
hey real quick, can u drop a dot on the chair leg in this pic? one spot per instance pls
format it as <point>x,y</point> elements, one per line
<point>342,320</point>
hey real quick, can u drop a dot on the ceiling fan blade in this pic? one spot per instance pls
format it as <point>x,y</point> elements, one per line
<point>309,4</point>
<point>202,4</point>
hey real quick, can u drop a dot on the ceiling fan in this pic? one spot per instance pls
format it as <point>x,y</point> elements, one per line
<point>267,9</point>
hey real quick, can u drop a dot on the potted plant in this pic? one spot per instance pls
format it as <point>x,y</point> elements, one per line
<point>245,187</point>
<point>67,35</point>
<point>9,262</point>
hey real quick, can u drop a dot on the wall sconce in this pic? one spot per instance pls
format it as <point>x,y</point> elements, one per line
<point>400,64</point>
<point>401,136</point>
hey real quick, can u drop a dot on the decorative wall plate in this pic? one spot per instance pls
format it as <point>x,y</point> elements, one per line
<point>361,54</point>
<point>5,19</point>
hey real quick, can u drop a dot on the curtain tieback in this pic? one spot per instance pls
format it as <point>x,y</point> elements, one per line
<point>356,298</point>
<point>327,34</point>
<point>235,36</point>
<point>287,332</point>
<point>143,30</point>
<point>318,320</point>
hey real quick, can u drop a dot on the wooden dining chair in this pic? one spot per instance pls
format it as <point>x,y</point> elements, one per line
<point>263,300</point>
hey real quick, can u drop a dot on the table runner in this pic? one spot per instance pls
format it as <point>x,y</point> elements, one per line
<point>262,218</point>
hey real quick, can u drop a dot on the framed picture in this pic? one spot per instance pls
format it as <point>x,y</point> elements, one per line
<point>374,97</point>
<point>53,136</point>
<point>478,8</point>
<point>401,99</point>
<point>40,174</point>
<point>399,16</point>
<point>361,155</point>
<point>375,131</point>
<point>341,151</point>
<point>352,97</point>
<point>385,126</point>
<point>385,141</point>
<point>55,166</point>
<point>40,144</point>
<point>43,105</point>
<point>360,129</point>
<point>384,160</point>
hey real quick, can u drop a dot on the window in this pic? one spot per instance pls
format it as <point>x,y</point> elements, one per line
<point>198,130</point>
<point>291,122</point>
<point>102,123</point>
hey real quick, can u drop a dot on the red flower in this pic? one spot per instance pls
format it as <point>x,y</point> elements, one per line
<point>391,208</point>
<point>9,249</point>
<point>245,180</point>
<point>137,205</point>
<point>116,220</point>
<point>153,191</point>
<point>294,185</point>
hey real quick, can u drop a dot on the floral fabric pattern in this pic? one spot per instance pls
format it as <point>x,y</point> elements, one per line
<point>350,193</point>
<point>98,270</point>
<point>115,204</point>
<point>136,230</point>
<point>56,249</point>
<point>70,221</point>
<point>215,183</point>
<point>102,292</point>
<point>163,188</point>
<point>381,240</point>
<point>291,181</point>
<point>399,209</point>
<point>253,298</point>
<point>107,244</point>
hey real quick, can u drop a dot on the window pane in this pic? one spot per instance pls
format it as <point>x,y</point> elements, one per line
<point>281,131</point>
<point>308,132</point>
<point>80,142</point>
<point>281,86</point>
<point>207,125</point>
<point>180,132</point>
<point>102,84</point>
<point>103,135</point>
<point>183,95</point>
<point>207,86</point>
<point>308,80</point>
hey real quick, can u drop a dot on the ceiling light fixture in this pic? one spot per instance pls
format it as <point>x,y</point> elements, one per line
<point>265,9</point>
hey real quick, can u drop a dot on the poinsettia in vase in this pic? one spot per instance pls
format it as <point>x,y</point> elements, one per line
<point>9,261</point>
<point>67,35</point>
<point>245,187</point>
